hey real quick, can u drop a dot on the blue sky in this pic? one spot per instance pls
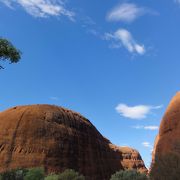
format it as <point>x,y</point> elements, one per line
<point>115,62</point>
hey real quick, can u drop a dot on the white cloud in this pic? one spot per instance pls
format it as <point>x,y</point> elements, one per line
<point>152,128</point>
<point>177,1</point>
<point>54,98</point>
<point>135,112</point>
<point>126,12</point>
<point>7,3</point>
<point>138,127</point>
<point>124,37</point>
<point>147,144</point>
<point>42,8</point>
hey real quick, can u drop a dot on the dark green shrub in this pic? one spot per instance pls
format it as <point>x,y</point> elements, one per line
<point>16,174</point>
<point>35,174</point>
<point>166,167</point>
<point>20,173</point>
<point>9,175</point>
<point>52,177</point>
<point>70,174</point>
<point>39,174</point>
<point>128,175</point>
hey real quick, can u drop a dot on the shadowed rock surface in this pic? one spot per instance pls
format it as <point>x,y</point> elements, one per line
<point>59,139</point>
<point>168,139</point>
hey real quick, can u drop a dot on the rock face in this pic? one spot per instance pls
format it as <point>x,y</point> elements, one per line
<point>59,139</point>
<point>168,139</point>
<point>130,159</point>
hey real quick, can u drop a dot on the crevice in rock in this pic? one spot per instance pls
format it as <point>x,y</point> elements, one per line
<point>12,144</point>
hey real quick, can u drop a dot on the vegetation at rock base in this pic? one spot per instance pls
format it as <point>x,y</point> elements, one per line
<point>17,174</point>
<point>35,174</point>
<point>52,177</point>
<point>166,167</point>
<point>70,174</point>
<point>8,52</point>
<point>128,175</point>
<point>39,174</point>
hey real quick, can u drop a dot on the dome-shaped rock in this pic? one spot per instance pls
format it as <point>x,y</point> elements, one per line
<point>58,139</point>
<point>168,139</point>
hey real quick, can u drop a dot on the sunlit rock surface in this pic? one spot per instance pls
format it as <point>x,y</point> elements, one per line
<point>57,139</point>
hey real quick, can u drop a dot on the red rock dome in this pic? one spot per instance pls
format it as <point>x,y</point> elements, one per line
<point>59,139</point>
<point>168,139</point>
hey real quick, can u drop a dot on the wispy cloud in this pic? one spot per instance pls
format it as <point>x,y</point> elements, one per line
<point>41,8</point>
<point>177,1</point>
<point>135,112</point>
<point>127,12</point>
<point>94,32</point>
<point>147,144</point>
<point>88,21</point>
<point>124,37</point>
<point>151,128</point>
<point>54,98</point>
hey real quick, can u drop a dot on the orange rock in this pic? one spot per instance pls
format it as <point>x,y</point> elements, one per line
<point>58,139</point>
<point>168,139</point>
<point>131,159</point>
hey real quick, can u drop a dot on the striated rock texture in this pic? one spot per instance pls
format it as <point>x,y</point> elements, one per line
<point>59,139</point>
<point>168,139</point>
<point>130,159</point>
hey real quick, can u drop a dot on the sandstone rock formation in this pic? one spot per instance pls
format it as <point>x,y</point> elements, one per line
<point>168,139</point>
<point>130,159</point>
<point>57,139</point>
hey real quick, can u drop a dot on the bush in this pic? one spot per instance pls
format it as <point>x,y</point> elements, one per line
<point>16,174</point>
<point>128,175</point>
<point>52,177</point>
<point>70,174</point>
<point>39,174</point>
<point>35,174</point>
<point>9,175</point>
<point>166,167</point>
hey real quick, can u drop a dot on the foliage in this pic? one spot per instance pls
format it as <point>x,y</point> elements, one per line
<point>9,175</point>
<point>39,174</point>
<point>128,175</point>
<point>166,167</point>
<point>35,174</point>
<point>8,52</point>
<point>16,174</point>
<point>70,174</point>
<point>52,177</point>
